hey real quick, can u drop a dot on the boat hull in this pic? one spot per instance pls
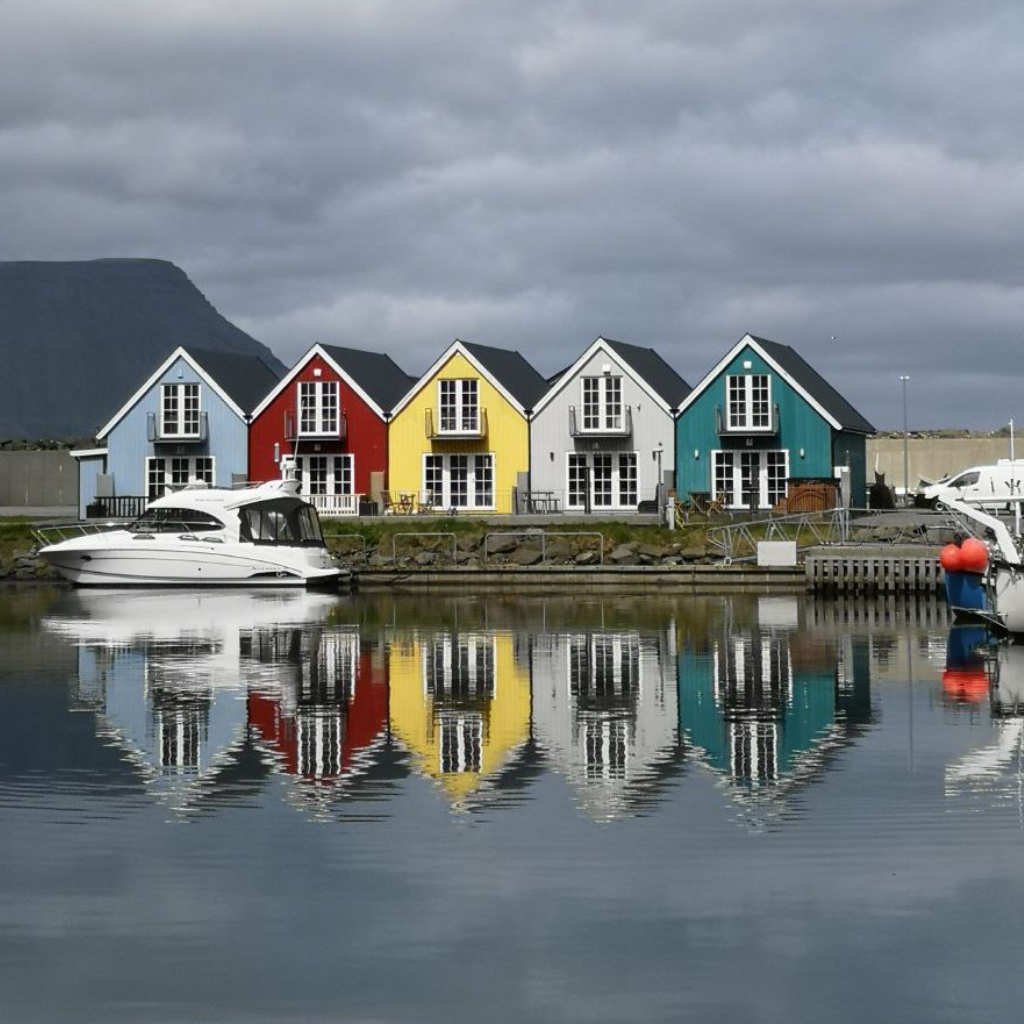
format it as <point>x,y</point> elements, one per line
<point>127,560</point>
<point>1008,598</point>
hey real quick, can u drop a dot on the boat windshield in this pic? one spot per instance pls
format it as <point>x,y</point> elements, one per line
<point>281,522</point>
<point>175,520</point>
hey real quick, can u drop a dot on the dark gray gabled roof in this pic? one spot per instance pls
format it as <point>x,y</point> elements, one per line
<point>246,379</point>
<point>816,386</point>
<point>377,374</point>
<point>512,371</point>
<point>658,374</point>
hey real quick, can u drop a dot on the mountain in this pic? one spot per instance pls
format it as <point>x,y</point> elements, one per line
<point>77,339</point>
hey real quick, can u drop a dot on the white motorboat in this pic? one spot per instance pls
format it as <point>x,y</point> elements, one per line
<point>201,536</point>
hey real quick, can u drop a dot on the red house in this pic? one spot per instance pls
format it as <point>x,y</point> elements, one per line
<point>330,414</point>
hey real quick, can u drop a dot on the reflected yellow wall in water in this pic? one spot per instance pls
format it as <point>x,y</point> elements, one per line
<point>506,717</point>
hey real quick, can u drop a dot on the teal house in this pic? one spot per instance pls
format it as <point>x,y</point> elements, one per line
<point>762,420</point>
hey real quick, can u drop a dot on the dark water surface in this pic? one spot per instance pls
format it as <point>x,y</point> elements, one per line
<point>257,807</point>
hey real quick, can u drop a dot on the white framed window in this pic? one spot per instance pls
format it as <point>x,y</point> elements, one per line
<point>459,403</point>
<point>460,480</point>
<point>325,474</point>
<point>460,666</point>
<point>601,401</point>
<point>604,666</point>
<point>750,479</point>
<point>318,407</point>
<point>164,475</point>
<point>179,410</point>
<point>612,478</point>
<point>749,401</point>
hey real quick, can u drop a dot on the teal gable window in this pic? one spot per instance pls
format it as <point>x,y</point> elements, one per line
<point>749,401</point>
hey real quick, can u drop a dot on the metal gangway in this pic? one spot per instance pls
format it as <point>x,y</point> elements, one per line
<point>737,541</point>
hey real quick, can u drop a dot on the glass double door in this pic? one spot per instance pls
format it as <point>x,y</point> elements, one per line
<point>751,479</point>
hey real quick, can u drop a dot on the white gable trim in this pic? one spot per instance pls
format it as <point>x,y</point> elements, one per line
<point>748,341</point>
<point>87,453</point>
<point>600,345</point>
<point>457,348</point>
<point>178,353</point>
<point>317,350</point>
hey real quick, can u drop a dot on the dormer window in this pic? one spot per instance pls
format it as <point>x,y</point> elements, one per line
<point>179,410</point>
<point>318,407</point>
<point>749,401</point>
<point>602,403</point>
<point>459,404</point>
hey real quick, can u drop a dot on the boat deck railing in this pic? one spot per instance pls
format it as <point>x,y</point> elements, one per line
<point>54,533</point>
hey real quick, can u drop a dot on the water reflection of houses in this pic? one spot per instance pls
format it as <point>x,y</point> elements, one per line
<point>165,675</point>
<point>324,714</point>
<point>766,704</point>
<point>460,704</point>
<point>605,713</point>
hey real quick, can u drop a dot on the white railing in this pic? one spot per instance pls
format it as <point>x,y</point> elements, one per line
<point>330,505</point>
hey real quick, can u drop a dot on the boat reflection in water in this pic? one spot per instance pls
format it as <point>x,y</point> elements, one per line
<point>605,714</point>
<point>460,704</point>
<point>167,675</point>
<point>995,772</point>
<point>765,706</point>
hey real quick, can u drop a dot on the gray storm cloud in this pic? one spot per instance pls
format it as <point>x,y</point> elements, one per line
<point>393,175</point>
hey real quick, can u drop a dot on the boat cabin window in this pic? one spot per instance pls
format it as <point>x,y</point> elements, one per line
<point>280,522</point>
<point>175,520</point>
<point>965,480</point>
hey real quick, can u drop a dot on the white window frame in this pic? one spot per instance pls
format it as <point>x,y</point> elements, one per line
<point>180,392</point>
<point>462,390</point>
<point>736,490</point>
<point>168,472</point>
<point>320,390</point>
<point>606,423</point>
<point>332,479</point>
<point>471,480</point>
<point>439,663</point>
<point>746,420</point>
<point>616,481</point>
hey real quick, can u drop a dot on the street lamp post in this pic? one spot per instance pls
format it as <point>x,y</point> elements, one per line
<point>906,460</point>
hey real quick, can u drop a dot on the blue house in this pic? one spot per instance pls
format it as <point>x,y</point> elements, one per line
<point>188,422</point>
<point>762,420</point>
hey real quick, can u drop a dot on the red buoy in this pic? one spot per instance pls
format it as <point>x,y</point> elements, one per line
<point>973,555</point>
<point>950,558</point>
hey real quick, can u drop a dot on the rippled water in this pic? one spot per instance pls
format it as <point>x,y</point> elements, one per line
<point>259,807</point>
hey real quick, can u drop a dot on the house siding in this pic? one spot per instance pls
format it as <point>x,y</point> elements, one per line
<point>800,427</point>
<point>89,468</point>
<point>128,447</point>
<point>851,449</point>
<point>507,435</point>
<point>550,440</point>
<point>366,437</point>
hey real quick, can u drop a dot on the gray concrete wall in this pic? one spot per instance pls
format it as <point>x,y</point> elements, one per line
<point>38,479</point>
<point>932,457</point>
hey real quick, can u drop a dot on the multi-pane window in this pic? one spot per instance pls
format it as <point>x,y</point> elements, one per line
<point>325,474</point>
<point>751,479</point>
<point>602,403</point>
<point>179,410</point>
<point>459,404</point>
<point>460,743</point>
<point>164,475</point>
<point>612,479</point>
<point>604,668</point>
<point>318,407</point>
<point>459,667</point>
<point>748,397</point>
<point>627,478</point>
<point>602,476</point>
<point>576,494</point>
<point>459,481</point>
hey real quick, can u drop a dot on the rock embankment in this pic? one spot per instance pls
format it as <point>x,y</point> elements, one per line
<point>25,568</point>
<point>531,549</point>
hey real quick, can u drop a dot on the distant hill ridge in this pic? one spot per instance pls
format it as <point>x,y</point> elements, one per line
<point>78,338</point>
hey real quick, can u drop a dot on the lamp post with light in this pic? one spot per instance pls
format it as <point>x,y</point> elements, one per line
<point>906,460</point>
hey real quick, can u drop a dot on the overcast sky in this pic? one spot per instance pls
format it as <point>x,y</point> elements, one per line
<point>841,175</point>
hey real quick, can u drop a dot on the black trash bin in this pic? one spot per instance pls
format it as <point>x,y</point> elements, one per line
<point>367,507</point>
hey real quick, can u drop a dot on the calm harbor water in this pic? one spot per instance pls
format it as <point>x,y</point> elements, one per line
<point>268,807</point>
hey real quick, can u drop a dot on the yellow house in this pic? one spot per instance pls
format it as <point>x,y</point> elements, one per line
<point>460,703</point>
<point>461,436</point>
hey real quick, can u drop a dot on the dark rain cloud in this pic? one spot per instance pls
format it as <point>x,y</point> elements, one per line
<point>394,174</point>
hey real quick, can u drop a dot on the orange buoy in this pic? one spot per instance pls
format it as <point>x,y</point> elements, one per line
<point>950,558</point>
<point>965,685</point>
<point>973,555</point>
